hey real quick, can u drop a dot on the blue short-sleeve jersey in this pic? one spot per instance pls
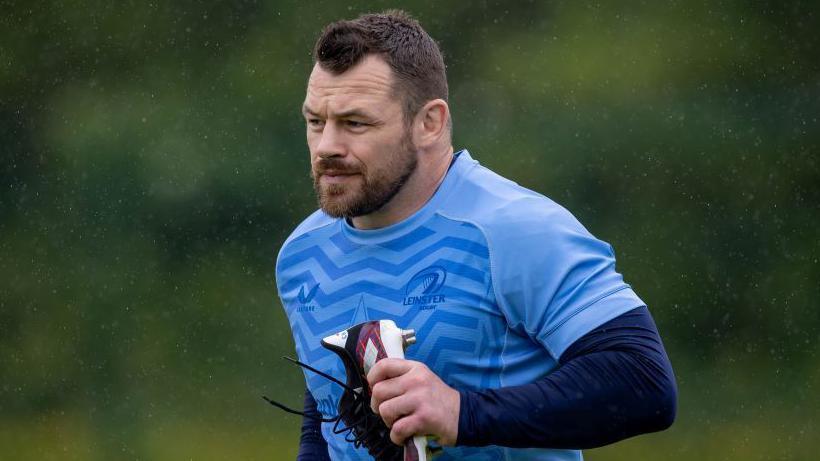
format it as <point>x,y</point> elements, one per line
<point>496,279</point>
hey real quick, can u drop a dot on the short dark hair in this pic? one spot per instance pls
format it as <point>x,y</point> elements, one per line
<point>408,49</point>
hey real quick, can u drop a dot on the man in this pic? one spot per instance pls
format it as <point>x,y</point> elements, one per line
<point>530,344</point>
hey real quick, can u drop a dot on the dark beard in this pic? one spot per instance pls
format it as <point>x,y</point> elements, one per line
<point>375,192</point>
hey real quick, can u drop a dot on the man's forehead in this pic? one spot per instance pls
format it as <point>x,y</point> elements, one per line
<point>370,79</point>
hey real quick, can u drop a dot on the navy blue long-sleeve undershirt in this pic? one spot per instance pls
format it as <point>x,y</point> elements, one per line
<point>312,446</point>
<point>614,382</point>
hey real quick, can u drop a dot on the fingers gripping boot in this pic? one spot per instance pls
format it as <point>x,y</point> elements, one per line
<point>360,347</point>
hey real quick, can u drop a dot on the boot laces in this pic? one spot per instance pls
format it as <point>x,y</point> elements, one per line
<point>355,420</point>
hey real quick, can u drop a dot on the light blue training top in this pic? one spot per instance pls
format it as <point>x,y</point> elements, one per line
<point>497,280</point>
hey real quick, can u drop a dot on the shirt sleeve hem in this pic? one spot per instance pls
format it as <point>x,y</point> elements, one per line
<point>589,317</point>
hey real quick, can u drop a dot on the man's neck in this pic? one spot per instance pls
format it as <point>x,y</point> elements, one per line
<point>415,193</point>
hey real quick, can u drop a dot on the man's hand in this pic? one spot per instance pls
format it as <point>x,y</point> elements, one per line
<point>412,400</point>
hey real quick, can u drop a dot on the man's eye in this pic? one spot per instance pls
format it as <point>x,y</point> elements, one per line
<point>315,122</point>
<point>355,124</point>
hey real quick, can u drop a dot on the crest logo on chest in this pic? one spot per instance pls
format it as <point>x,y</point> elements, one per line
<point>424,289</point>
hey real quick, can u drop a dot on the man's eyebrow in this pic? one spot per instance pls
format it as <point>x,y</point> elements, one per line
<point>308,111</point>
<point>356,112</point>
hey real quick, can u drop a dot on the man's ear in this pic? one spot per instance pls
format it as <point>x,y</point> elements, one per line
<point>431,123</point>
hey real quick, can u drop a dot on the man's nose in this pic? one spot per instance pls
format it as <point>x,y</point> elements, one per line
<point>331,142</point>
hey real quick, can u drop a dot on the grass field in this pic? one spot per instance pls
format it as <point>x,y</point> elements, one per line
<point>722,416</point>
<point>68,437</point>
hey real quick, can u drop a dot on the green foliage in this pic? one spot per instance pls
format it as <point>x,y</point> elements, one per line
<point>153,160</point>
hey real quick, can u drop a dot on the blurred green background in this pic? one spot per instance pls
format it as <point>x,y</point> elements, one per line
<point>152,161</point>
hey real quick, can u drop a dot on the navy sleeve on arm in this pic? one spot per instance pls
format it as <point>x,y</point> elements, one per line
<point>312,446</point>
<point>614,382</point>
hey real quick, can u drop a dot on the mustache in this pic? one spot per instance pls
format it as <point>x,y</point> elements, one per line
<point>335,165</point>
